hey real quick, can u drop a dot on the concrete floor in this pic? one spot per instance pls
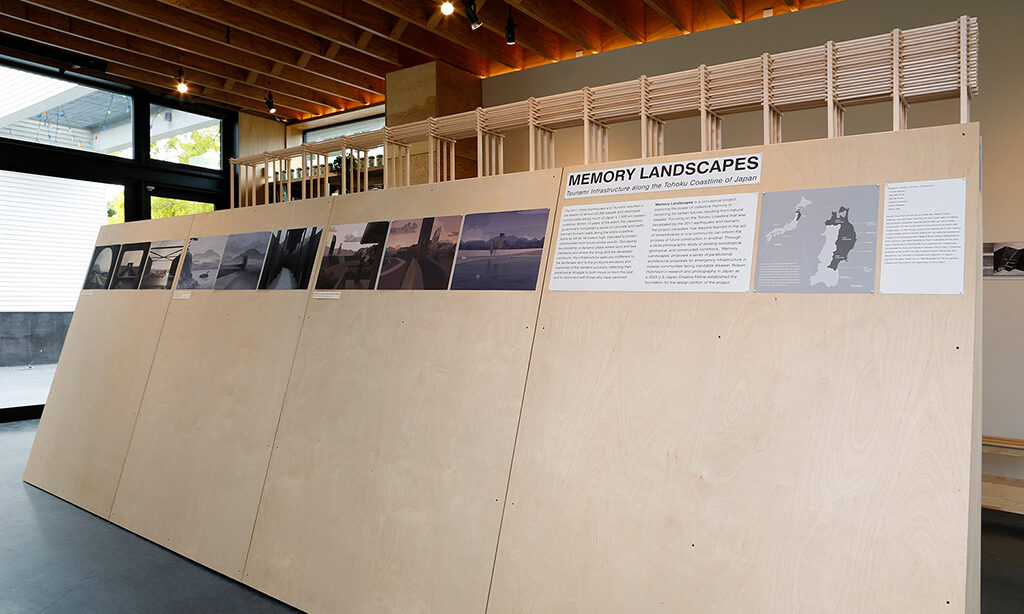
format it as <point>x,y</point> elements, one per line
<point>24,386</point>
<point>56,558</point>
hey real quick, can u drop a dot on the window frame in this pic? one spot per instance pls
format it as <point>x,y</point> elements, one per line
<point>140,174</point>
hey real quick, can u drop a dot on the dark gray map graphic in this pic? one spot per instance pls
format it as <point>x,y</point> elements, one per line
<point>822,240</point>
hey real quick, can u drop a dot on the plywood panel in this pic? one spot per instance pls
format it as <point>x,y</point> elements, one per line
<point>90,412</point>
<point>259,134</point>
<point>756,452</point>
<point>196,465</point>
<point>388,476</point>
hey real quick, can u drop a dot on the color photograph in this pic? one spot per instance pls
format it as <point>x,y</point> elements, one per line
<point>352,256</point>
<point>202,259</point>
<point>1003,259</point>
<point>128,271</point>
<point>102,263</point>
<point>501,250</point>
<point>161,264</point>
<point>290,258</point>
<point>419,254</point>
<point>240,267</point>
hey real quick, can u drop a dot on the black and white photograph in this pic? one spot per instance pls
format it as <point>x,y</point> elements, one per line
<point>202,259</point>
<point>1003,259</point>
<point>128,271</point>
<point>242,261</point>
<point>161,264</point>
<point>290,259</point>
<point>102,263</point>
<point>352,256</point>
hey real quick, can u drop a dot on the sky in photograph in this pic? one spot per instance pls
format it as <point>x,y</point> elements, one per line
<point>528,224</point>
<point>404,233</point>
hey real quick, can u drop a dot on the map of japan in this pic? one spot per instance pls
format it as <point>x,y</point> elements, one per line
<point>821,240</point>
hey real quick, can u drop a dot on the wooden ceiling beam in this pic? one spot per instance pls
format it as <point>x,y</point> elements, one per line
<point>678,12</point>
<point>237,18</point>
<point>565,18</point>
<point>328,26</point>
<point>733,9</point>
<point>186,59</point>
<point>402,32</point>
<point>356,86</point>
<point>484,42</point>
<point>624,16</point>
<point>185,31</point>
<point>154,73</point>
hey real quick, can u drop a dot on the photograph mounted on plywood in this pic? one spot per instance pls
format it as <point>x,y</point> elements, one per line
<point>242,262</point>
<point>501,250</point>
<point>102,263</point>
<point>419,253</point>
<point>352,256</point>
<point>823,240</point>
<point>161,264</point>
<point>290,258</point>
<point>1003,259</point>
<point>128,272</point>
<point>202,259</point>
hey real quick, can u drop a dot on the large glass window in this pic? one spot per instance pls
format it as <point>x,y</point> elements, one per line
<point>40,109</point>
<point>356,126</point>
<point>184,138</point>
<point>170,207</point>
<point>48,228</point>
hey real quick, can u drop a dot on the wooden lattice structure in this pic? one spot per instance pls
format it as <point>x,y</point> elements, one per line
<point>903,66</point>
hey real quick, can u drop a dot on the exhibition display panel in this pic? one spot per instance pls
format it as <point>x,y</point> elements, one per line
<point>670,384</point>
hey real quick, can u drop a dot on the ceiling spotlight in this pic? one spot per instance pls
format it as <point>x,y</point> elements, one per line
<point>269,100</point>
<point>510,29</point>
<point>470,8</point>
<point>182,87</point>
<point>447,8</point>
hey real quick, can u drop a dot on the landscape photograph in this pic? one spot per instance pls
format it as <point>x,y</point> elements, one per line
<point>352,256</point>
<point>419,253</point>
<point>290,258</point>
<point>102,263</point>
<point>128,271</point>
<point>242,262</point>
<point>161,264</point>
<point>501,250</point>
<point>202,259</point>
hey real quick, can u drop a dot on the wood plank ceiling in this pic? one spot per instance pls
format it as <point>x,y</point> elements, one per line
<point>325,56</point>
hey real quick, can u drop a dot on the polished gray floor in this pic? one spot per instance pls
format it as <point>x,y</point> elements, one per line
<point>28,385</point>
<point>58,559</point>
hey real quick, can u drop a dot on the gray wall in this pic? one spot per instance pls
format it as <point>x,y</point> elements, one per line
<point>32,338</point>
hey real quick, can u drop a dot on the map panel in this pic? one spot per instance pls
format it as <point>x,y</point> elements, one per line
<point>822,240</point>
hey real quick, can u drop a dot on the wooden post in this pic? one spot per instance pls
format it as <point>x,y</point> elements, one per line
<point>965,92</point>
<point>899,111</point>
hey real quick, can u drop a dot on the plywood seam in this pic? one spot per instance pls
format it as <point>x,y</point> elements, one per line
<point>541,278</point>
<point>149,373</point>
<point>284,398</point>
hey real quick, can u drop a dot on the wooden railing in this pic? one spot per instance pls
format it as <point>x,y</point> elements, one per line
<point>997,492</point>
<point>902,66</point>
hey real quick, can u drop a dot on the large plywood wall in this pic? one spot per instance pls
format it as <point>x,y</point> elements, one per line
<point>539,451</point>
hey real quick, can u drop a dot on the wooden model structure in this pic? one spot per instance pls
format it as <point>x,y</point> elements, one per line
<point>904,66</point>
